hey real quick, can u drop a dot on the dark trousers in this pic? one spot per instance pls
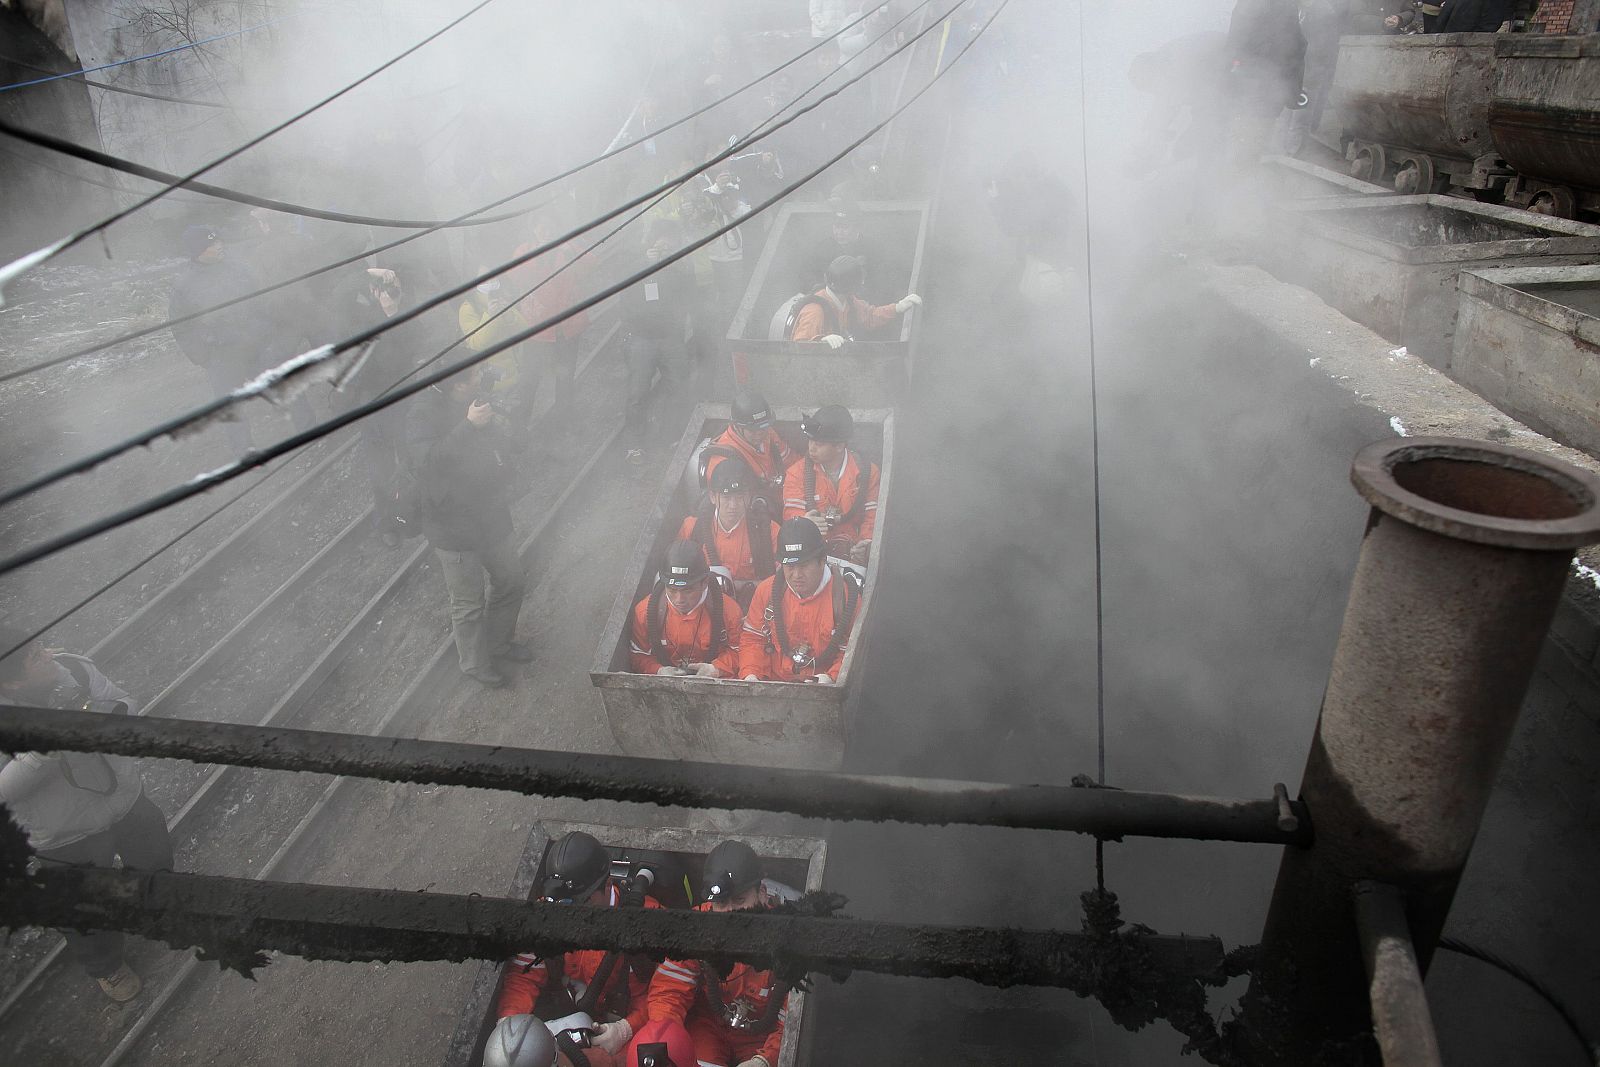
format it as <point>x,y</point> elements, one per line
<point>486,591</point>
<point>141,839</point>
<point>644,356</point>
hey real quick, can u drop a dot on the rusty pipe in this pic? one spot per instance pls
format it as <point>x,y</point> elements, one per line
<point>1401,1021</point>
<point>1464,559</point>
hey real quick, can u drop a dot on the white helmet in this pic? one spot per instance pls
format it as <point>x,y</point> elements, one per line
<point>520,1041</point>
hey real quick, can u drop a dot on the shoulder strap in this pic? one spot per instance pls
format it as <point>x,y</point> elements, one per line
<point>703,533</point>
<point>655,614</point>
<point>846,598</point>
<point>858,505</point>
<point>758,528</point>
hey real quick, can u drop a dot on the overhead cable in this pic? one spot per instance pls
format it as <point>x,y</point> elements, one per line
<point>139,59</point>
<point>256,457</point>
<point>100,346</point>
<point>297,369</point>
<point>33,259</point>
<point>127,166</point>
<point>120,89</point>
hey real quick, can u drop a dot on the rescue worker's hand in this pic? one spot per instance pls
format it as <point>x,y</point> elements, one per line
<point>823,679</point>
<point>860,553</point>
<point>613,1037</point>
<point>481,413</point>
<point>671,672</point>
<point>907,302</point>
<point>706,670</point>
<point>755,1061</point>
<point>820,521</point>
<point>1392,22</point>
<point>752,678</point>
<point>833,341</point>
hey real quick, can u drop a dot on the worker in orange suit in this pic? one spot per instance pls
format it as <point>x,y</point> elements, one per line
<point>735,529</point>
<point>797,627</point>
<point>752,437</point>
<point>835,313</point>
<point>834,486</point>
<point>732,1014</point>
<point>687,625</point>
<point>579,872</point>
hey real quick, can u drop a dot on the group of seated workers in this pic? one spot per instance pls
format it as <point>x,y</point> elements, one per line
<point>740,595</point>
<point>593,1008</point>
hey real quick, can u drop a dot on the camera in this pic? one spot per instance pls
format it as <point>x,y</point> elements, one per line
<point>801,657</point>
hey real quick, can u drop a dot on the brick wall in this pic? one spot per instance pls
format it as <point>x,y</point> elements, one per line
<point>1553,16</point>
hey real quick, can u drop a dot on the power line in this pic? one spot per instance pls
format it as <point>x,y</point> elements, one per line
<point>256,458</point>
<point>299,365</point>
<point>140,59</point>
<point>615,150</point>
<point>33,259</point>
<point>221,192</point>
<point>108,87</point>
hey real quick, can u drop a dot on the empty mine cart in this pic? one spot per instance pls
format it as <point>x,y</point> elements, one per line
<point>776,724</point>
<point>870,370</point>
<point>674,856</point>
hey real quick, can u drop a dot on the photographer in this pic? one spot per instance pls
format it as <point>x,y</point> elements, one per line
<point>459,450</point>
<point>80,808</point>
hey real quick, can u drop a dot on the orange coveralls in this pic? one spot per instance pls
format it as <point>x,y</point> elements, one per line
<point>816,321</point>
<point>688,637</point>
<point>733,546</point>
<point>526,976</point>
<point>675,996</point>
<point>808,622</point>
<point>760,461</point>
<point>841,495</point>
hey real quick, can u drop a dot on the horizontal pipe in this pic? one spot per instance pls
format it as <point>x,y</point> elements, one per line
<point>236,919</point>
<point>1401,1020</point>
<point>1105,813</point>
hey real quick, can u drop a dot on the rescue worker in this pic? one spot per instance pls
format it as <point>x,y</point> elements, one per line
<point>751,436</point>
<point>733,1014</point>
<point>833,486</point>
<point>687,625</point>
<point>1474,16</point>
<point>461,457</point>
<point>579,872</point>
<point>846,236</point>
<point>1266,72</point>
<point>519,1041</point>
<point>735,529</point>
<point>80,808</point>
<point>798,624</point>
<point>835,313</point>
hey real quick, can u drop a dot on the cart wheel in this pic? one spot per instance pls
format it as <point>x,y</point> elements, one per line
<point>1556,200</point>
<point>1413,174</point>
<point>1368,162</point>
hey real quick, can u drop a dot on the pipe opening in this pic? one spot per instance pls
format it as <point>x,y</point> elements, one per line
<point>1469,484</point>
<point>1481,491</point>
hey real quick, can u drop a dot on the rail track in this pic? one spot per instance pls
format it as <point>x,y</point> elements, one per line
<point>327,599</point>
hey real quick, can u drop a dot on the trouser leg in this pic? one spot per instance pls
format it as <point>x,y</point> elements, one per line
<point>640,354</point>
<point>672,357</point>
<point>98,954</point>
<point>507,584</point>
<point>378,455</point>
<point>141,838</point>
<point>464,577</point>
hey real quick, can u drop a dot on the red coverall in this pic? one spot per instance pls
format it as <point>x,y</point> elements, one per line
<point>688,636</point>
<point>733,546</point>
<point>759,458</point>
<point>816,321</point>
<point>808,621</point>
<point>526,976</point>
<point>829,494</point>
<point>676,997</point>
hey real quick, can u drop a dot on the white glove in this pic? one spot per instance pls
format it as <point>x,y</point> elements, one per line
<point>752,678</point>
<point>907,302</point>
<point>669,670</point>
<point>834,341</point>
<point>613,1037</point>
<point>823,679</point>
<point>755,1061</point>
<point>706,670</point>
<point>861,553</point>
<point>820,521</point>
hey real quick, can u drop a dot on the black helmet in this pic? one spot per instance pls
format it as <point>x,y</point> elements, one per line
<point>830,423</point>
<point>732,867</point>
<point>519,1041</point>
<point>799,540</point>
<point>578,865</point>
<point>686,560</point>
<point>750,409</point>
<point>846,276</point>
<point>733,475</point>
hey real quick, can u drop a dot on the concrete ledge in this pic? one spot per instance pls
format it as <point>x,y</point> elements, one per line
<point>1417,399</point>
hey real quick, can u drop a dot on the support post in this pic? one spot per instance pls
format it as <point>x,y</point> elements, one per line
<point>1401,1020</point>
<point>1465,556</point>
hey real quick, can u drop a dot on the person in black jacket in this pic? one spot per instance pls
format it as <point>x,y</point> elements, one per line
<point>1266,69</point>
<point>1474,16</point>
<point>464,487</point>
<point>655,321</point>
